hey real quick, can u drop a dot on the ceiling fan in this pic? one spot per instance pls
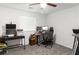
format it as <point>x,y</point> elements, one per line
<point>43,5</point>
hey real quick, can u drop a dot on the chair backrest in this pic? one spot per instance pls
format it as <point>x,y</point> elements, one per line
<point>50,33</point>
<point>51,29</point>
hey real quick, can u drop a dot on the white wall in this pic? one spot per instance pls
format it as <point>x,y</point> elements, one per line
<point>9,14</point>
<point>63,22</point>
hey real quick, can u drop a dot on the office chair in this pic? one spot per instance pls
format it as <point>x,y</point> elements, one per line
<point>48,37</point>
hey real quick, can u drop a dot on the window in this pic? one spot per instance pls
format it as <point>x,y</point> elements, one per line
<point>26,23</point>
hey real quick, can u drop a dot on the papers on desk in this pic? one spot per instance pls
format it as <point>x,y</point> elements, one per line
<point>77,35</point>
<point>11,35</point>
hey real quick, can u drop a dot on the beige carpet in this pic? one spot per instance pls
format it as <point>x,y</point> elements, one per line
<point>40,50</point>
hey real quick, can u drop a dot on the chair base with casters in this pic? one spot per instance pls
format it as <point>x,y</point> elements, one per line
<point>48,43</point>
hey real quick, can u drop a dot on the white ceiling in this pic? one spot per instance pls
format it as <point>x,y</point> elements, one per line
<point>37,8</point>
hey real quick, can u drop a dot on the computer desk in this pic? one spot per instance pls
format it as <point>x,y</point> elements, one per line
<point>7,38</point>
<point>38,34</point>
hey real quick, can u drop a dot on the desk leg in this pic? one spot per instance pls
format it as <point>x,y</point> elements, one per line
<point>74,42</point>
<point>24,44</point>
<point>37,41</point>
<point>73,46</point>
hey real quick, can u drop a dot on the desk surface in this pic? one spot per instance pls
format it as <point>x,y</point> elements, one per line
<point>38,34</point>
<point>12,37</point>
<point>77,35</point>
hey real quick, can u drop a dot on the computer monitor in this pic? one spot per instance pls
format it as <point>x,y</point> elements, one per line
<point>10,26</point>
<point>45,28</point>
<point>39,28</point>
<point>10,29</point>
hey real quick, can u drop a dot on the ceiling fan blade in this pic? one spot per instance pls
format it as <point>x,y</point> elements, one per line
<point>34,4</point>
<point>50,4</point>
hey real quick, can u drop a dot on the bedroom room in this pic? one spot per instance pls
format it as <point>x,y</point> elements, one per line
<point>31,23</point>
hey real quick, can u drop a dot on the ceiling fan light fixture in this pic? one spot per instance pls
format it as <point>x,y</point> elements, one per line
<point>43,5</point>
